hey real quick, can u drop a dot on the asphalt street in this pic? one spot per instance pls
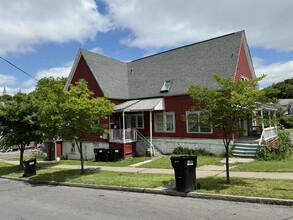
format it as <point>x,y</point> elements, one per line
<point>21,200</point>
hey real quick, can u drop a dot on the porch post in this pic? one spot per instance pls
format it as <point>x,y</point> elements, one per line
<point>151,132</point>
<point>109,138</point>
<point>261,113</point>
<point>123,127</point>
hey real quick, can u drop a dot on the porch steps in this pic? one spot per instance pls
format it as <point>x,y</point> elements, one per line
<point>147,145</point>
<point>245,150</point>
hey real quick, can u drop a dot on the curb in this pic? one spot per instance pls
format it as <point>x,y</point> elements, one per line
<point>260,200</point>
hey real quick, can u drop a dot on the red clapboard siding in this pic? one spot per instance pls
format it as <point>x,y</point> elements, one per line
<point>242,66</point>
<point>83,72</point>
<point>180,105</point>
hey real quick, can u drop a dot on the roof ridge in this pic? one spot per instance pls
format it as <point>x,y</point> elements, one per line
<point>204,41</point>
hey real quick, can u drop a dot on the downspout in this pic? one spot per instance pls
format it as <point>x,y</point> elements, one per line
<point>151,133</point>
<point>123,125</point>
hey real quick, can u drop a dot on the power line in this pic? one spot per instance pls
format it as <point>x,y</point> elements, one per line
<point>19,68</point>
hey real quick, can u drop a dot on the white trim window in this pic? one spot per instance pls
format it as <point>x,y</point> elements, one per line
<point>193,126</point>
<point>135,121</point>
<point>244,78</point>
<point>164,122</point>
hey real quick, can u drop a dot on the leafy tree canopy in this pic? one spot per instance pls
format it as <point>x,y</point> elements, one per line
<point>280,90</point>
<point>224,108</point>
<point>18,121</point>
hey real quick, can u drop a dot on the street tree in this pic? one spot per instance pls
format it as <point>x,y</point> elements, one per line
<point>18,122</point>
<point>73,114</point>
<point>223,108</point>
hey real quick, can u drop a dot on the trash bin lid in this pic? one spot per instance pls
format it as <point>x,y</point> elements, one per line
<point>30,160</point>
<point>184,157</point>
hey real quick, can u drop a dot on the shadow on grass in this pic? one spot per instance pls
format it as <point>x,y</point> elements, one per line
<point>64,175</point>
<point>9,169</point>
<point>218,184</point>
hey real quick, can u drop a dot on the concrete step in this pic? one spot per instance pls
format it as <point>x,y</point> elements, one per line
<point>244,155</point>
<point>246,144</point>
<point>245,152</point>
<point>245,148</point>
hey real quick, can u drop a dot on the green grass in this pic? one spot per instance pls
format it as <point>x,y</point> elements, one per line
<point>121,163</point>
<point>266,166</point>
<point>281,189</point>
<point>91,177</point>
<point>165,162</point>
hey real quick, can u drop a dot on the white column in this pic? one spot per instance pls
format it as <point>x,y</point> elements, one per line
<point>123,125</point>
<point>261,113</point>
<point>151,132</point>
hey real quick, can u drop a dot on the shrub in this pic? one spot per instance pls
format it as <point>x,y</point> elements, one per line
<point>283,150</point>
<point>64,157</point>
<point>187,151</point>
<point>40,155</point>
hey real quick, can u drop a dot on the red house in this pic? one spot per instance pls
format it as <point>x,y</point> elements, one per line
<point>150,96</point>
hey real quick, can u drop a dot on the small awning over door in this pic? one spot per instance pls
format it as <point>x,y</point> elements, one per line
<point>156,104</point>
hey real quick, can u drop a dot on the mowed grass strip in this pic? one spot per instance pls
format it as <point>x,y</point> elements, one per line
<point>266,166</point>
<point>165,162</point>
<point>281,189</point>
<point>92,177</point>
<point>121,163</point>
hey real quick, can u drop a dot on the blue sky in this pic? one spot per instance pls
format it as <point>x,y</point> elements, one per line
<point>43,37</point>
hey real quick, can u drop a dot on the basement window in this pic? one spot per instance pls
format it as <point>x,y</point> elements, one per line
<point>166,86</point>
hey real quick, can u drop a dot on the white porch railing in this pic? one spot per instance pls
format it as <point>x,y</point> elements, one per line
<point>116,135</point>
<point>268,133</point>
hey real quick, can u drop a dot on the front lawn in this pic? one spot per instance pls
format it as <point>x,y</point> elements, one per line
<point>266,166</point>
<point>121,163</point>
<point>92,177</point>
<point>165,162</point>
<point>269,188</point>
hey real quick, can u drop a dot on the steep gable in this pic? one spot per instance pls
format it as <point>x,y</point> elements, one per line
<point>226,56</point>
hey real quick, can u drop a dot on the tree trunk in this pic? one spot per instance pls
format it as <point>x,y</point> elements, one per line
<point>81,156</point>
<point>227,162</point>
<point>21,149</point>
<point>79,147</point>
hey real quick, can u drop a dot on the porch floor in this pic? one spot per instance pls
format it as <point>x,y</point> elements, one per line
<point>247,140</point>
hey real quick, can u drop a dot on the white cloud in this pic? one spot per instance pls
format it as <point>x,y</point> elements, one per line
<point>97,50</point>
<point>7,79</point>
<point>26,23</point>
<point>276,72</point>
<point>54,72</point>
<point>168,23</point>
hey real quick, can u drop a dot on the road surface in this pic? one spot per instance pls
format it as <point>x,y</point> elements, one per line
<point>19,200</point>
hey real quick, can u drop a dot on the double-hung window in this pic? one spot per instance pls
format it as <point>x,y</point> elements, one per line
<point>193,124</point>
<point>136,121</point>
<point>164,122</point>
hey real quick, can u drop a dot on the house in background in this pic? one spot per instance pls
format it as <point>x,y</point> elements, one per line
<point>150,96</point>
<point>287,106</point>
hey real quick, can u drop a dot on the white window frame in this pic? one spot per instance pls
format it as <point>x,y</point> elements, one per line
<point>244,78</point>
<point>136,120</point>
<point>195,132</point>
<point>164,114</point>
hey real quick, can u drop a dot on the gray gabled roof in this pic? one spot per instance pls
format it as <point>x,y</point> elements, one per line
<point>192,64</point>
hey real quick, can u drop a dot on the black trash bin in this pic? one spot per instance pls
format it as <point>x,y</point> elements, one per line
<point>114,154</point>
<point>185,175</point>
<point>101,154</point>
<point>29,167</point>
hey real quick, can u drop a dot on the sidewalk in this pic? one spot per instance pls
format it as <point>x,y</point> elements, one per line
<point>203,171</point>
